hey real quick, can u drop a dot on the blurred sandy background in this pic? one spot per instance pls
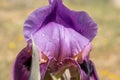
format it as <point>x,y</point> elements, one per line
<point>106,45</point>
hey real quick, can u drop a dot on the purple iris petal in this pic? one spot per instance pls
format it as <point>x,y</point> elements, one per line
<point>21,68</point>
<point>57,41</point>
<point>63,38</point>
<point>88,71</point>
<point>57,12</point>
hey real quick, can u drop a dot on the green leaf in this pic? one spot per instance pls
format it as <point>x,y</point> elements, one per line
<point>66,75</point>
<point>35,70</point>
<point>54,77</point>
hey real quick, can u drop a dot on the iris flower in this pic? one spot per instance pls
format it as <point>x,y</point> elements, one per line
<point>58,45</point>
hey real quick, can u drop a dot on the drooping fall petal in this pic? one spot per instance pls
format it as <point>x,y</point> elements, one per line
<point>21,68</point>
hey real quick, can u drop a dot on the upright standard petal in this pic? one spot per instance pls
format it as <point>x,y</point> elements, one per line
<point>79,21</point>
<point>57,12</point>
<point>35,21</point>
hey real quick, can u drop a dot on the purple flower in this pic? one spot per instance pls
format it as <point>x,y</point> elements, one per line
<point>63,41</point>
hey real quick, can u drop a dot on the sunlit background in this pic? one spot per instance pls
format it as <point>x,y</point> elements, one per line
<point>106,45</point>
